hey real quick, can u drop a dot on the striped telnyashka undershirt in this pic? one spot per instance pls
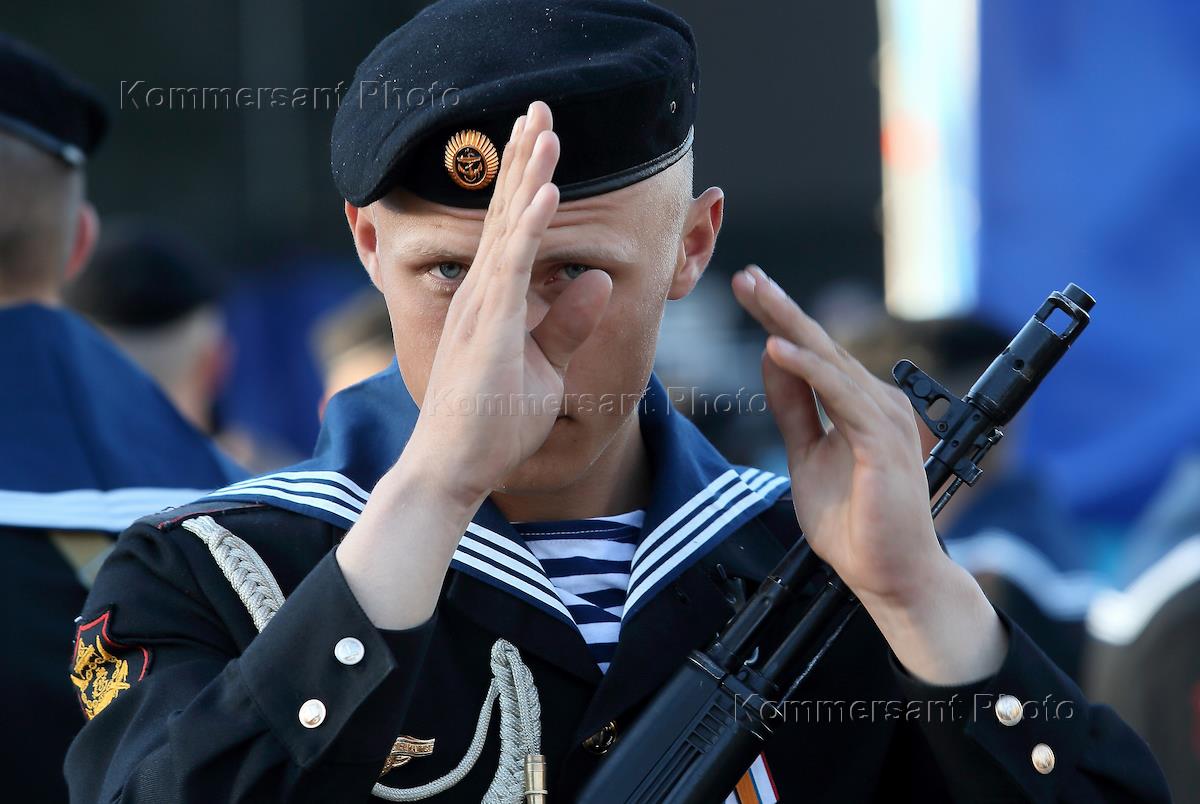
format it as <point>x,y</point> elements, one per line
<point>588,561</point>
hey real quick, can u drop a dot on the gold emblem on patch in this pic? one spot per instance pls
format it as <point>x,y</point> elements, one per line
<point>103,668</point>
<point>471,160</point>
<point>403,751</point>
<point>99,676</point>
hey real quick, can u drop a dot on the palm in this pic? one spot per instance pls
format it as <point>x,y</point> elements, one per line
<point>846,508</point>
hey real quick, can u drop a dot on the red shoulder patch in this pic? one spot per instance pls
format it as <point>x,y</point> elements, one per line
<point>101,667</point>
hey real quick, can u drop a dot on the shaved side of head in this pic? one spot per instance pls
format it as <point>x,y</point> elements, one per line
<point>40,199</point>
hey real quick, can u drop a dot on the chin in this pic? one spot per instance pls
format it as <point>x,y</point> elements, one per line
<point>560,461</point>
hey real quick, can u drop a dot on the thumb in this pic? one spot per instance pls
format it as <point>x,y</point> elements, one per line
<point>572,317</point>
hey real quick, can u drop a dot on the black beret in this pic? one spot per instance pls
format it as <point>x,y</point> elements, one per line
<point>143,277</point>
<point>432,106</point>
<point>45,106</point>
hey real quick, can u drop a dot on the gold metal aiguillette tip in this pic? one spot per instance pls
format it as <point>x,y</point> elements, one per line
<point>535,779</point>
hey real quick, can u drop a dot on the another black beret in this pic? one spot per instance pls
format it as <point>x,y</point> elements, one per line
<point>45,106</point>
<point>432,106</point>
<point>141,277</point>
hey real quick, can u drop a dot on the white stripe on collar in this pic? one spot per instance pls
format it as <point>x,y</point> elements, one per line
<point>659,556</point>
<point>88,509</point>
<point>348,513</point>
<point>482,552</point>
<point>510,562</point>
<point>1119,618</point>
<point>335,478</point>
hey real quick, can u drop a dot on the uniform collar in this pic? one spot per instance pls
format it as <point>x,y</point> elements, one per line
<point>698,497</point>
<point>90,442</point>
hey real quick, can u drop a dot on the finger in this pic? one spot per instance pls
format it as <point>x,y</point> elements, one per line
<point>536,120</point>
<point>512,168</point>
<point>508,159</point>
<point>793,406</point>
<point>507,291</point>
<point>572,318</point>
<point>851,410</point>
<point>493,219</point>
<point>780,315</point>
<point>539,169</point>
<point>504,209</point>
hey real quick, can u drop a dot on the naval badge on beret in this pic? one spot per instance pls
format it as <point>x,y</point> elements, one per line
<point>432,104</point>
<point>471,160</point>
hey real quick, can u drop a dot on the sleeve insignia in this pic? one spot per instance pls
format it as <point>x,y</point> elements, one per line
<point>101,668</point>
<point>404,750</point>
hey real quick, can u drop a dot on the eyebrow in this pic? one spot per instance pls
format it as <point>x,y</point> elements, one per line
<point>598,254</point>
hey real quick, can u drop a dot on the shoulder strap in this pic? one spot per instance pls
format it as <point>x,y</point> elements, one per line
<point>245,570</point>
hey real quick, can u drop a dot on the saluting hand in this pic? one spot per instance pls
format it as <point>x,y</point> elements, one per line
<point>494,392</point>
<point>861,496</point>
<point>496,385</point>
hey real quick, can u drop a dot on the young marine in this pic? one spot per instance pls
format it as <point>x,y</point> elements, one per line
<point>514,510</point>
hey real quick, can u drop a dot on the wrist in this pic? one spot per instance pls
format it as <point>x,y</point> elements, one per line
<point>916,587</point>
<point>396,556</point>
<point>426,474</point>
<point>948,633</point>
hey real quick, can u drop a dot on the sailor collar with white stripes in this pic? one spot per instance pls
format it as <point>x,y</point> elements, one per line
<point>89,441</point>
<point>698,498</point>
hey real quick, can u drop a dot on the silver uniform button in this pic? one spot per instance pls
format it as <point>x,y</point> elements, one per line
<point>1043,758</point>
<point>349,651</point>
<point>1009,710</point>
<point>312,713</point>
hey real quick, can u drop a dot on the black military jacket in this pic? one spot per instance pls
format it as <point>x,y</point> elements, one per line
<point>215,715</point>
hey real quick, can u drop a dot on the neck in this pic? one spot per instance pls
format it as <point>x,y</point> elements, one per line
<point>617,482</point>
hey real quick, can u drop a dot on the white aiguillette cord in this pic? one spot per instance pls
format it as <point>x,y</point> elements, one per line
<point>521,775</point>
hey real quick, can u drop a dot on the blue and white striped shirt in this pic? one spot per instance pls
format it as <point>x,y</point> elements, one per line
<point>588,561</point>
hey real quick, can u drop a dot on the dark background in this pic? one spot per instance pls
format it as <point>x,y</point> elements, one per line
<point>788,124</point>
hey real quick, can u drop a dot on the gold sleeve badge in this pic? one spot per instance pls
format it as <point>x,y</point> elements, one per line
<point>471,160</point>
<point>404,750</point>
<point>101,668</point>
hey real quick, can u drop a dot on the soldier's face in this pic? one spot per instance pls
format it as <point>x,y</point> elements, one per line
<point>640,238</point>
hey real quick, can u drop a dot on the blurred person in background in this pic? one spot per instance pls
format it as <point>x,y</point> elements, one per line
<point>88,442</point>
<point>154,293</point>
<point>352,342</point>
<point>1142,654</point>
<point>155,297</point>
<point>1011,532</point>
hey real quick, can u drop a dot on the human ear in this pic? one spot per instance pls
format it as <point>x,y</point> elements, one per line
<point>87,232</point>
<point>701,225</point>
<point>366,240</point>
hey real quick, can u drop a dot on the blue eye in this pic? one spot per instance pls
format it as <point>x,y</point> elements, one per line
<point>574,270</point>
<point>449,270</point>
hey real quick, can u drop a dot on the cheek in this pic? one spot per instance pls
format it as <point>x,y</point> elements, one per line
<point>417,320</point>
